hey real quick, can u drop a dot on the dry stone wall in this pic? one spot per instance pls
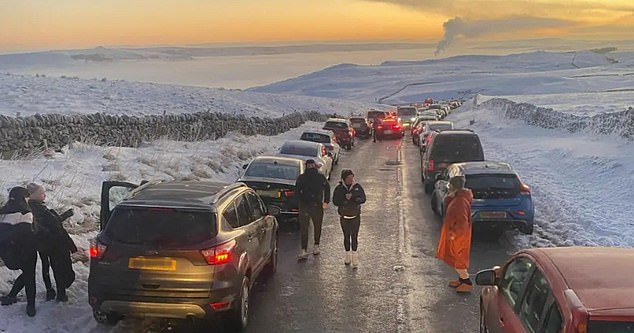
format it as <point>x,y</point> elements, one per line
<point>26,134</point>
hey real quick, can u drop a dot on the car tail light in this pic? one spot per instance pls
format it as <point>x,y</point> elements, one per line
<point>220,305</point>
<point>288,194</point>
<point>97,249</point>
<point>430,167</point>
<point>520,212</point>
<point>397,127</point>
<point>379,127</point>
<point>220,254</point>
<point>525,189</point>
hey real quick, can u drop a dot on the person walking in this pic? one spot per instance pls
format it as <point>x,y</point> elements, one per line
<point>314,195</point>
<point>17,247</point>
<point>348,197</point>
<point>55,244</point>
<point>376,129</point>
<point>454,247</point>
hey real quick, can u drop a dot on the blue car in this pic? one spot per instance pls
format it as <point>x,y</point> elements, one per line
<point>501,201</point>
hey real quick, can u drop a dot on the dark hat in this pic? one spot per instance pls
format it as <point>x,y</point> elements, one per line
<point>310,161</point>
<point>345,173</point>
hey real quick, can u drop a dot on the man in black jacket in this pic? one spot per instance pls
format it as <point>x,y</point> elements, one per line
<point>314,195</point>
<point>348,197</point>
<point>55,245</point>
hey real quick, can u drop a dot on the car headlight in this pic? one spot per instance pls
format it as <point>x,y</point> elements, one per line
<point>399,118</point>
<point>412,119</point>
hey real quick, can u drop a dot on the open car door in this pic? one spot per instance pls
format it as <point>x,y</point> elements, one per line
<point>109,199</point>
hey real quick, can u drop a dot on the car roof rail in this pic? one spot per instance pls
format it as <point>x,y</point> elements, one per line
<point>226,190</point>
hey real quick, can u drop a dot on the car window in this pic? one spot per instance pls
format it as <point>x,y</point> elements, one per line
<point>254,206</point>
<point>515,278</point>
<point>457,148</point>
<point>406,112</point>
<point>231,216</point>
<point>243,210</point>
<point>160,227</point>
<point>433,127</point>
<point>336,124</point>
<point>272,170</point>
<point>298,150</point>
<point>315,137</point>
<point>553,320</point>
<point>532,308</point>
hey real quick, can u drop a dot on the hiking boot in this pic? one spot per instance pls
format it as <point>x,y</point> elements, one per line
<point>454,283</point>
<point>8,300</point>
<point>316,250</point>
<point>50,294</point>
<point>348,258</point>
<point>61,296</point>
<point>303,256</point>
<point>30,310</point>
<point>355,260</point>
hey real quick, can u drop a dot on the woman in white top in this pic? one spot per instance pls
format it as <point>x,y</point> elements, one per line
<point>18,246</point>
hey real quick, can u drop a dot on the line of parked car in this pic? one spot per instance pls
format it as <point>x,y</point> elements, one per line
<point>143,264</point>
<point>541,290</point>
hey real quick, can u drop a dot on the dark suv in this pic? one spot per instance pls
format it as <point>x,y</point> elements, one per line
<point>182,249</point>
<point>447,147</point>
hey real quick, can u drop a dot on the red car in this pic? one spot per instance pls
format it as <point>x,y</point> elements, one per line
<point>344,132</point>
<point>391,127</point>
<point>560,290</point>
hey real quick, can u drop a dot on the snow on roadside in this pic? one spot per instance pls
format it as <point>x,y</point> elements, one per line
<point>581,182</point>
<point>73,179</point>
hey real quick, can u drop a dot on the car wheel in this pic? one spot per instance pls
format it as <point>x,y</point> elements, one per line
<point>483,325</point>
<point>106,318</point>
<point>271,265</point>
<point>428,187</point>
<point>237,319</point>
<point>527,229</point>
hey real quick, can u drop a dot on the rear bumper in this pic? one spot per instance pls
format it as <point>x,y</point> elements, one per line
<point>155,310</point>
<point>511,221</point>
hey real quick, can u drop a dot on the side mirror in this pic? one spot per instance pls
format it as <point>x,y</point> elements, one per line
<point>244,166</point>
<point>273,210</point>
<point>488,277</point>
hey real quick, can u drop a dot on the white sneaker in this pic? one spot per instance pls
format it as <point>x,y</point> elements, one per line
<point>355,259</point>
<point>302,255</point>
<point>316,250</point>
<point>348,258</point>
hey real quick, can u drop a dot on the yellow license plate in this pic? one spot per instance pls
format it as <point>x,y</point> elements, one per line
<point>152,264</point>
<point>269,194</point>
<point>493,215</point>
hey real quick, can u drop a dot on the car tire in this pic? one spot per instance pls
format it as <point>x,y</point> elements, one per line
<point>106,318</point>
<point>528,229</point>
<point>428,187</point>
<point>271,266</point>
<point>237,319</point>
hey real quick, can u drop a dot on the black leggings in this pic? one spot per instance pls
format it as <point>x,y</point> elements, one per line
<point>26,280</point>
<point>350,229</point>
<point>46,264</point>
<point>307,212</point>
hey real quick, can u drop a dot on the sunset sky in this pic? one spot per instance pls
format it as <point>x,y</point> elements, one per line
<point>58,24</point>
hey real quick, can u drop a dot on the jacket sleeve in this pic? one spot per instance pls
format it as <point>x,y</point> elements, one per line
<point>338,196</point>
<point>50,222</point>
<point>360,197</point>
<point>326,186</point>
<point>299,185</point>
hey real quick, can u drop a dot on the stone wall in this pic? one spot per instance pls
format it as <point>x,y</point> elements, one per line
<point>27,134</point>
<point>620,123</point>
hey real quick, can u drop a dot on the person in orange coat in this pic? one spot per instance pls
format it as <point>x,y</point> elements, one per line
<point>454,247</point>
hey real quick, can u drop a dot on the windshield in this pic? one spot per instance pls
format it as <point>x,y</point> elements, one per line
<point>456,148</point>
<point>434,127</point>
<point>357,120</point>
<point>374,114</point>
<point>272,170</point>
<point>316,137</point>
<point>406,112</point>
<point>298,150</point>
<point>160,226</point>
<point>597,326</point>
<point>336,124</point>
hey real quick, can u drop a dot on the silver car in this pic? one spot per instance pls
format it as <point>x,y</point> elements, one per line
<point>307,150</point>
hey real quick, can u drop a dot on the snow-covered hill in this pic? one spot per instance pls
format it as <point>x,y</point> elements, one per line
<point>30,94</point>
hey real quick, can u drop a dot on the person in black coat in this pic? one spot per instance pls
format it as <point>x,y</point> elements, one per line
<point>55,245</point>
<point>18,246</point>
<point>348,197</point>
<point>313,190</point>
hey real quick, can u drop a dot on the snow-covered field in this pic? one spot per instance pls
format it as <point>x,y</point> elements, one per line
<point>73,179</point>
